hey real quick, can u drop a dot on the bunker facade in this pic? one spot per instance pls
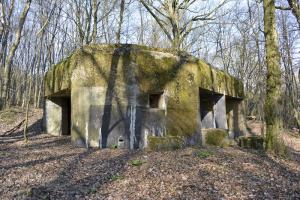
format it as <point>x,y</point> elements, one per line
<point>131,96</point>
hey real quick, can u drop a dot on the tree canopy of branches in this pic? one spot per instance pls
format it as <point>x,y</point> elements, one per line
<point>178,18</point>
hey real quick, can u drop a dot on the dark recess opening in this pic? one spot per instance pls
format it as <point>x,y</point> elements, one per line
<point>66,115</point>
<point>154,100</point>
<point>208,100</point>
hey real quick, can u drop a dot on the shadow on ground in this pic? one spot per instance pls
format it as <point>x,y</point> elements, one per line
<point>50,167</point>
<point>33,130</point>
<point>80,177</point>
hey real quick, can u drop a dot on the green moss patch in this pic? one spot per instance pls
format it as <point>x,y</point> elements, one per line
<point>114,146</point>
<point>58,77</point>
<point>253,142</point>
<point>137,162</point>
<point>217,137</point>
<point>203,154</point>
<point>156,68</point>
<point>165,143</point>
<point>117,177</point>
<point>4,154</point>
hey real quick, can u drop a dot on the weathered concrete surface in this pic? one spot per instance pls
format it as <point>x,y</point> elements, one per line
<point>86,115</point>
<point>207,111</point>
<point>235,117</point>
<point>53,118</point>
<point>220,112</point>
<point>212,110</point>
<point>110,87</point>
<point>59,77</point>
<point>56,117</point>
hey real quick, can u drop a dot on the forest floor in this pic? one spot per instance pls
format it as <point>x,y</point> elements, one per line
<point>50,167</point>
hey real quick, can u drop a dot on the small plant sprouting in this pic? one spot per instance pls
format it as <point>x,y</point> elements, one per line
<point>3,154</point>
<point>137,162</point>
<point>203,154</point>
<point>114,146</point>
<point>93,188</point>
<point>117,177</point>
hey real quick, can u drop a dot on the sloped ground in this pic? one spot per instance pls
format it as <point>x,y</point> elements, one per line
<point>50,168</point>
<point>290,137</point>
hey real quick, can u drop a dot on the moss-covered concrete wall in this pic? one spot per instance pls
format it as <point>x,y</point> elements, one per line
<point>59,76</point>
<point>110,87</point>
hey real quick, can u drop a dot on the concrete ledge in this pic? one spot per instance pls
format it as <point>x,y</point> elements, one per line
<point>165,143</point>
<point>252,142</point>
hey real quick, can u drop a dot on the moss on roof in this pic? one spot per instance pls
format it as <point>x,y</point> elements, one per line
<point>59,77</point>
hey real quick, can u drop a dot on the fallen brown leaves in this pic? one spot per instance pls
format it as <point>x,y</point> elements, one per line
<point>50,168</point>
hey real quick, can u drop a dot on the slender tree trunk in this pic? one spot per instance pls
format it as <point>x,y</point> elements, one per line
<point>291,83</point>
<point>260,85</point>
<point>105,26</point>
<point>5,28</point>
<point>37,74</point>
<point>141,36</point>
<point>28,97</point>
<point>273,94</point>
<point>121,16</point>
<point>27,110</point>
<point>295,7</point>
<point>290,106</point>
<point>41,86</point>
<point>79,23</point>
<point>37,85</point>
<point>12,51</point>
<point>1,84</point>
<point>95,20</point>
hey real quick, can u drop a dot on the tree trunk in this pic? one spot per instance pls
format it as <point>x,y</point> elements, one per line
<point>27,110</point>
<point>37,74</point>
<point>273,94</point>
<point>12,51</point>
<point>121,16</point>
<point>141,35</point>
<point>260,106</point>
<point>290,105</point>
<point>95,20</point>
<point>295,7</point>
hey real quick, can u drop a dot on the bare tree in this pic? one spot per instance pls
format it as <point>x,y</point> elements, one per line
<point>5,22</point>
<point>295,7</point>
<point>118,33</point>
<point>291,96</point>
<point>11,54</point>
<point>176,18</point>
<point>95,7</point>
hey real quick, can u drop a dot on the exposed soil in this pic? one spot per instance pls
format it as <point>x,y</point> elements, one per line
<point>50,167</point>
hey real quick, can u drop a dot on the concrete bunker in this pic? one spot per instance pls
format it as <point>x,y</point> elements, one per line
<point>131,96</point>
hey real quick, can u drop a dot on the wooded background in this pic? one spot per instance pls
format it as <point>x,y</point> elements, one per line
<point>229,34</point>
